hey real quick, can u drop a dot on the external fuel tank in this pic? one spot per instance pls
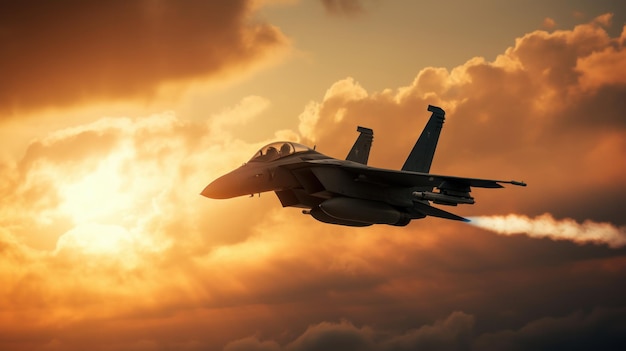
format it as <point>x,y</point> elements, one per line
<point>363,211</point>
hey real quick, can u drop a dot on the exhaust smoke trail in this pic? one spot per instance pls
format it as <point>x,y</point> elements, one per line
<point>545,226</point>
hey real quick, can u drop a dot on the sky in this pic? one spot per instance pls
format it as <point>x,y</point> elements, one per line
<point>115,115</point>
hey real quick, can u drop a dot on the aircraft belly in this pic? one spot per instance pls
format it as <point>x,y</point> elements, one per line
<point>364,211</point>
<point>321,216</point>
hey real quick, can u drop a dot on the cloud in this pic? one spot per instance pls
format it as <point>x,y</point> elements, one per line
<point>343,7</point>
<point>105,240</point>
<point>548,23</point>
<point>545,109</point>
<point>118,174</point>
<point>252,344</point>
<point>325,336</point>
<point>249,107</point>
<point>89,213</point>
<point>578,330</point>
<point>457,332</point>
<point>452,333</point>
<point>72,52</point>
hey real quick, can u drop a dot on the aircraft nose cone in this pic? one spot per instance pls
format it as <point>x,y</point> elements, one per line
<point>236,183</point>
<point>215,190</point>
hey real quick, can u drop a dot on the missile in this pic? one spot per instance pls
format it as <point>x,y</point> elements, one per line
<point>442,198</point>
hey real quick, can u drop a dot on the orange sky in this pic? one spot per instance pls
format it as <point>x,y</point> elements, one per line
<point>114,116</point>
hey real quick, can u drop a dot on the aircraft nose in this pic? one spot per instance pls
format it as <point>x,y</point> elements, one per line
<point>218,189</point>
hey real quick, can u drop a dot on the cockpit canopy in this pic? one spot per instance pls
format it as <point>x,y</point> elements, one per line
<point>277,150</point>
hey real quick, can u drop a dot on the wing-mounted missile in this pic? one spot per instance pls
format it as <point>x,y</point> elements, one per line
<point>450,194</point>
<point>443,198</point>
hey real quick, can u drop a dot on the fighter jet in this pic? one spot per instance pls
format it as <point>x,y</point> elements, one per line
<point>349,192</point>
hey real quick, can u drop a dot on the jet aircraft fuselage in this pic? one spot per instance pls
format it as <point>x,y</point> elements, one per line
<point>349,192</point>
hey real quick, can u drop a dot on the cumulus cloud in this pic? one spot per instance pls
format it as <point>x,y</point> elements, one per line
<point>252,344</point>
<point>548,23</point>
<point>72,52</point>
<point>121,171</point>
<point>343,7</point>
<point>451,333</point>
<point>545,109</point>
<point>90,212</point>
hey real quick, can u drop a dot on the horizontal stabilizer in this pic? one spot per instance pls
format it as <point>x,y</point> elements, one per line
<point>360,151</point>
<point>436,212</point>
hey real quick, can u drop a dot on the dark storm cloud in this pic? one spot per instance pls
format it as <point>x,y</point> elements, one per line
<point>58,53</point>
<point>452,333</point>
<point>599,329</point>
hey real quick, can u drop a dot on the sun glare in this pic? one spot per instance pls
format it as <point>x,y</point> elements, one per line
<point>93,238</point>
<point>99,208</point>
<point>97,195</point>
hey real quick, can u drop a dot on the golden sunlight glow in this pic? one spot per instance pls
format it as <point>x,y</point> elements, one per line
<point>106,240</point>
<point>98,194</point>
<point>93,238</point>
<point>110,201</point>
<point>97,205</point>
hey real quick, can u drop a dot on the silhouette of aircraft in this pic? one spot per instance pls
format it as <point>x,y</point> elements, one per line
<point>349,192</point>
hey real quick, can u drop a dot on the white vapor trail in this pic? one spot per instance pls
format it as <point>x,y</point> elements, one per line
<point>545,226</point>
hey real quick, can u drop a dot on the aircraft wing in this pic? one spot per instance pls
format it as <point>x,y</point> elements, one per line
<point>409,178</point>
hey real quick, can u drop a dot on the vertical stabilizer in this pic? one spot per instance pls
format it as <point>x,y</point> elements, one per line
<point>421,157</point>
<point>360,151</point>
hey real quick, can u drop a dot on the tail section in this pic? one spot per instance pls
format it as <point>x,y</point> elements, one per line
<point>421,157</point>
<point>360,151</point>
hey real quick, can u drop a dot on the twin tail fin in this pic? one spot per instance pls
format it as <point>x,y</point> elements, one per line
<point>360,151</point>
<point>421,157</point>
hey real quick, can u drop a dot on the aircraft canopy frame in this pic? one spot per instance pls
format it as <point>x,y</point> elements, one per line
<point>278,150</point>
